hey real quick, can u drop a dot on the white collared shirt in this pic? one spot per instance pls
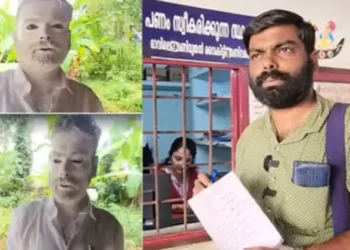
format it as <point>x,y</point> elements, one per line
<point>70,96</point>
<point>34,226</point>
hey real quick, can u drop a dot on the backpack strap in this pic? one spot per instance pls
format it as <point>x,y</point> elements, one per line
<point>336,158</point>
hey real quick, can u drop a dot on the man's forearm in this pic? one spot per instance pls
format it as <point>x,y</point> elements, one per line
<point>341,242</point>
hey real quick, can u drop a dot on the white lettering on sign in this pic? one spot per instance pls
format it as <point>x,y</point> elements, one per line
<point>186,24</point>
<point>222,51</point>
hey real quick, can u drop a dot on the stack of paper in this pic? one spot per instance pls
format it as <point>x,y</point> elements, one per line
<point>232,218</point>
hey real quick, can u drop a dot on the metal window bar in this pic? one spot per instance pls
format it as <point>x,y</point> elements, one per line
<point>197,164</point>
<point>184,131</point>
<point>183,114</point>
<point>155,129</point>
<point>180,131</point>
<point>210,117</point>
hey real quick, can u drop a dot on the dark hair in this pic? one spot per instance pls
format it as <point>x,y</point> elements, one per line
<point>84,123</point>
<point>278,17</point>
<point>177,144</point>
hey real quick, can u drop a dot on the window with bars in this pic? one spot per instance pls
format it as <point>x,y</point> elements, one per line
<point>193,103</point>
<point>210,104</point>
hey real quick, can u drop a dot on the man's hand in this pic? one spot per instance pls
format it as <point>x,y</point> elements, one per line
<point>201,183</point>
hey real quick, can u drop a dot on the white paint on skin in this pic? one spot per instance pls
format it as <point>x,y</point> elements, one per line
<point>42,38</point>
<point>71,165</point>
<point>42,41</point>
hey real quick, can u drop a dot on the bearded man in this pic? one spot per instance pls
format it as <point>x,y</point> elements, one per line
<point>289,143</point>
<point>67,219</point>
<point>42,41</point>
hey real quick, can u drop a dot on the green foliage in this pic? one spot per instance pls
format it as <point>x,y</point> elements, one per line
<point>106,164</point>
<point>7,27</point>
<point>8,182</point>
<point>114,71</point>
<point>110,189</point>
<point>14,164</point>
<point>119,174</point>
<point>5,220</point>
<point>23,147</point>
<point>118,95</point>
<point>51,120</point>
<point>126,148</point>
<point>110,59</point>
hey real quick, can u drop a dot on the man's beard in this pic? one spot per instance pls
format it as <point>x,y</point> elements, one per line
<point>294,90</point>
<point>51,58</point>
<point>69,194</point>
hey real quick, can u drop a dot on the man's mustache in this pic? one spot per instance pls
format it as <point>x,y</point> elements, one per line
<point>274,74</point>
<point>66,181</point>
<point>45,45</point>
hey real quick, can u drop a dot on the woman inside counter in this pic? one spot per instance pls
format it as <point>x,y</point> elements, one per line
<point>174,165</point>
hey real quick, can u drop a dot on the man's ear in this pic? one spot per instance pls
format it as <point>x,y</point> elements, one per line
<point>94,166</point>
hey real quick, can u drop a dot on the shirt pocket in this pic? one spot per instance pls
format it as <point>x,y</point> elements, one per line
<point>305,209</point>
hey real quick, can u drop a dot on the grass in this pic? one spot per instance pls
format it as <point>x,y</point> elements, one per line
<point>129,217</point>
<point>118,95</point>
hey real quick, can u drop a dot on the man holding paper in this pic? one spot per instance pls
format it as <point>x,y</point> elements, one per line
<point>282,158</point>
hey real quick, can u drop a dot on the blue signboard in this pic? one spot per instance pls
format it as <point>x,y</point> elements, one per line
<point>189,33</point>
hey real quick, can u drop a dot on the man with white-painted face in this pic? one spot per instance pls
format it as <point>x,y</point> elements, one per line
<point>42,41</point>
<point>67,219</point>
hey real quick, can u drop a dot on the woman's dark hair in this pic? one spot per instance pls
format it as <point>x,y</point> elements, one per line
<point>281,17</point>
<point>177,144</point>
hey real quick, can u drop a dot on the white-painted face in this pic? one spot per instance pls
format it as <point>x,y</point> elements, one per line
<point>71,165</point>
<point>43,37</point>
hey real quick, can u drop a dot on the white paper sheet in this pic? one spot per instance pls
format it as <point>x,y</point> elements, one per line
<point>232,218</point>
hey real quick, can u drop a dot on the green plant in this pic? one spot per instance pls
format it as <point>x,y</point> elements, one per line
<point>119,175</point>
<point>7,27</point>
<point>23,147</point>
<point>114,71</point>
<point>126,147</point>
<point>5,221</point>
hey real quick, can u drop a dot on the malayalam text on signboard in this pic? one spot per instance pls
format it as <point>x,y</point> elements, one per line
<point>189,33</point>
